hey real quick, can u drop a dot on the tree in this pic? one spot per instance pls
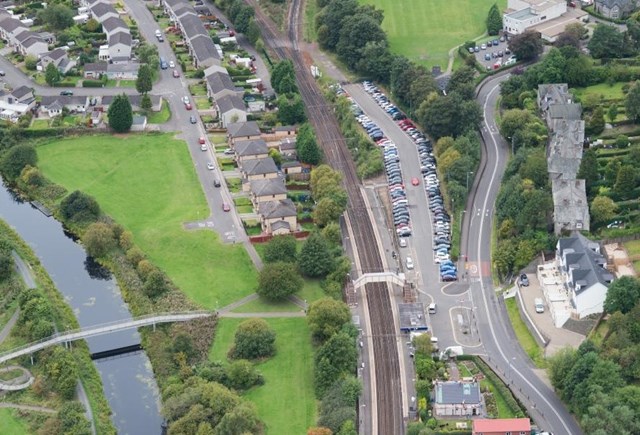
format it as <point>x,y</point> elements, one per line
<point>148,53</point>
<point>315,260</point>
<point>612,113</point>
<point>326,317</point>
<point>145,103</point>
<point>327,210</point>
<point>280,249</point>
<point>52,75</point>
<point>606,42</point>
<point>281,71</point>
<point>324,182</point>
<point>622,141</point>
<point>254,339</point>
<point>571,36</point>
<point>6,265</point>
<point>72,419</point>
<point>336,358</point>
<point>144,82</point>
<point>92,25</point>
<point>56,16</point>
<point>595,123</point>
<point>452,115</point>
<point>61,372</point>
<point>527,45</point>
<point>632,102</point>
<point>277,281</point>
<point>494,20</point>
<point>243,375</point>
<point>240,420</point>
<point>461,77</point>
<point>99,239</point>
<point>603,209</point>
<point>31,62</point>
<point>253,32</point>
<point>120,114</point>
<point>291,109</point>
<point>332,233</point>
<point>625,182</point>
<point>79,207</point>
<point>357,31</point>
<point>16,159</point>
<point>306,146</point>
<point>622,295</point>
<point>155,285</point>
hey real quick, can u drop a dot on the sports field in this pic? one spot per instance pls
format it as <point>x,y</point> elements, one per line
<point>425,30</point>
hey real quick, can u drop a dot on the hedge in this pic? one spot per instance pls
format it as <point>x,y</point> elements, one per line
<point>92,84</point>
<point>504,391</point>
<point>64,85</point>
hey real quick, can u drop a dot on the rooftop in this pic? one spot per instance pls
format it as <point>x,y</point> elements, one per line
<point>227,103</point>
<point>584,261</point>
<point>259,166</point>
<point>269,186</point>
<point>412,317</point>
<point>251,147</point>
<point>277,209</point>
<point>565,147</point>
<point>240,129</point>
<point>219,82</point>
<point>514,425</point>
<point>570,205</point>
<point>455,392</point>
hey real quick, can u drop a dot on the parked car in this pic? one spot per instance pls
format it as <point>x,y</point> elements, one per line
<point>188,106</point>
<point>193,119</point>
<point>176,74</point>
<point>172,64</point>
<point>202,140</point>
<point>524,280</point>
<point>225,206</point>
<point>66,93</point>
<point>409,263</point>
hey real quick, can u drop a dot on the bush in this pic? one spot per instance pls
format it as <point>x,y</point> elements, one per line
<point>99,239</point>
<point>79,207</point>
<point>92,84</point>
<point>254,339</point>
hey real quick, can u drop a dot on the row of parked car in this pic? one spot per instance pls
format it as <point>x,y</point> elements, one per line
<point>441,219</point>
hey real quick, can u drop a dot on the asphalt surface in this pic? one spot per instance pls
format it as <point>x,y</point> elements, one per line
<point>499,342</point>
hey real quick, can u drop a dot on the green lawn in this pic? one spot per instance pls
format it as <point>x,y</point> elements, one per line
<point>425,30</point>
<point>39,124</point>
<point>286,403</point>
<point>148,184</point>
<point>605,90</point>
<point>528,343</point>
<point>632,247</point>
<point>10,423</point>
<point>160,117</point>
<point>202,103</point>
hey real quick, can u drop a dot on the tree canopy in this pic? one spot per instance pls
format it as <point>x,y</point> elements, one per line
<point>144,82</point>
<point>277,281</point>
<point>120,114</point>
<point>527,45</point>
<point>16,159</point>
<point>494,20</point>
<point>254,339</point>
<point>306,145</point>
<point>281,249</point>
<point>315,260</point>
<point>623,294</point>
<point>326,317</point>
<point>56,16</point>
<point>606,42</point>
<point>79,207</point>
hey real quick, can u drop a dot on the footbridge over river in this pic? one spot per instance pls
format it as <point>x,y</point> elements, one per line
<point>106,328</point>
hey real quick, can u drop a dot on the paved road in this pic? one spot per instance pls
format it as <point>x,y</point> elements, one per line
<point>498,339</point>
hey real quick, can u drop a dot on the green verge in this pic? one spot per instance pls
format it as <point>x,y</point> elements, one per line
<point>147,183</point>
<point>425,30</point>
<point>10,423</point>
<point>66,320</point>
<point>528,343</point>
<point>286,403</point>
<point>310,12</point>
<point>160,117</point>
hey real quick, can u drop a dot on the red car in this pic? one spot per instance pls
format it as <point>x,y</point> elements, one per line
<point>188,106</point>
<point>202,141</point>
<point>176,74</point>
<point>415,181</point>
<point>225,207</point>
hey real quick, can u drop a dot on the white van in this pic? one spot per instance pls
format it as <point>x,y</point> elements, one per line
<point>434,343</point>
<point>539,305</point>
<point>432,308</point>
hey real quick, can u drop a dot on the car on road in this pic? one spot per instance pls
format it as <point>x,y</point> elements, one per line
<point>225,207</point>
<point>524,280</point>
<point>193,119</point>
<point>66,93</point>
<point>415,181</point>
<point>409,263</point>
<point>202,140</point>
<point>188,106</point>
<point>210,166</point>
<point>402,243</point>
<point>176,74</point>
<point>172,64</point>
<point>203,147</point>
<point>185,99</point>
<point>2,73</point>
<point>216,182</point>
<point>539,305</point>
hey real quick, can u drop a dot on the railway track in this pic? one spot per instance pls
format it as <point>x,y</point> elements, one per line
<point>384,337</point>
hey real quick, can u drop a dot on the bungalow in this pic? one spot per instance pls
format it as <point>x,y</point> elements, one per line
<point>501,426</point>
<point>219,84</point>
<point>95,70</point>
<point>203,50</point>
<point>135,100</point>
<point>103,11</point>
<point>454,398</point>
<point>16,103</point>
<point>259,169</point>
<point>231,109</point>
<point>123,71</point>
<point>271,189</point>
<point>59,59</point>
<point>120,45</point>
<point>30,43</point>
<point>247,130</point>
<point>284,131</point>
<point>250,149</point>
<point>23,94</point>
<point>52,105</point>
<point>582,267</point>
<point>278,217</point>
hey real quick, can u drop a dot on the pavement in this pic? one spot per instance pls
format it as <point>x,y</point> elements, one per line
<point>24,270</point>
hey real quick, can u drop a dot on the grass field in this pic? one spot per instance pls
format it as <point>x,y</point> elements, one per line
<point>525,338</point>
<point>11,424</point>
<point>286,402</point>
<point>148,184</point>
<point>606,91</point>
<point>425,30</point>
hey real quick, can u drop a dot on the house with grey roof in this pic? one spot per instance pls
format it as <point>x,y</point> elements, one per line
<point>287,147</point>
<point>103,11</point>
<point>271,189</point>
<point>30,44</point>
<point>616,9</point>
<point>120,45</point>
<point>231,109</point>
<point>219,84</point>
<point>258,169</point>
<point>555,102</point>
<point>584,273</point>
<point>52,105</point>
<point>23,94</point>
<point>59,59</point>
<point>113,25</point>
<point>16,103</point>
<point>245,130</point>
<point>250,149</point>
<point>94,70</point>
<point>203,50</point>
<point>566,144</point>
<point>10,28</point>
<point>570,206</point>
<point>456,398</point>
<point>278,217</point>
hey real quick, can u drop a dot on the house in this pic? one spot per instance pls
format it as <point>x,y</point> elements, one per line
<point>584,276</point>
<point>123,71</point>
<point>16,103</point>
<point>259,169</point>
<point>501,426</point>
<point>95,70</point>
<point>250,149</point>
<point>102,12</point>
<point>287,148</point>
<point>113,25</point>
<point>291,167</point>
<point>231,109</point>
<point>10,28</point>
<point>23,94</point>
<point>120,45</point>
<point>616,9</point>
<point>30,44</point>
<point>203,50</point>
<point>58,58</point>
<point>271,189</point>
<point>219,84</point>
<point>566,143</point>
<point>246,130</point>
<point>52,105</point>
<point>523,14</point>
<point>278,217</point>
<point>455,398</point>
<point>555,102</point>
<point>570,205</point>
<point>283,131</point>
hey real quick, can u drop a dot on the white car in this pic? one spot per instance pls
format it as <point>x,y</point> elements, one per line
<point>210,166</point>
<point>409,263</point>
<point>203,147</point>
<point>185,100</point>
<point>172,64</point>
<point>402,242</point>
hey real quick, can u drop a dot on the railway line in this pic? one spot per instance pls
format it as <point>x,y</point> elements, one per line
<point>389,417</point>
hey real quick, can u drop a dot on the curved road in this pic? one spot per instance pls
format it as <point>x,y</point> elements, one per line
<point>500,344</point>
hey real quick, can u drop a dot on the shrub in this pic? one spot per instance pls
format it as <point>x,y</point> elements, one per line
<point>79,207</point>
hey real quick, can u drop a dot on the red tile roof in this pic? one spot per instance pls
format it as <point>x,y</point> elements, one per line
<point>502,425</point>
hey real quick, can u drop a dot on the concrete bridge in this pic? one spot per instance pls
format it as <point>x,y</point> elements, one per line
<point>389,277</point>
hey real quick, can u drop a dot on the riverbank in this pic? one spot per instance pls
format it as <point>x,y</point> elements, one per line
<point>64,320</point>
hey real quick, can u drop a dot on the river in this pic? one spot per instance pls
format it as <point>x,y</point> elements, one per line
<point>95,298</point>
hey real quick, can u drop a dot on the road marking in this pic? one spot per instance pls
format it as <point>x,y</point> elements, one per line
<point>482,286</point>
